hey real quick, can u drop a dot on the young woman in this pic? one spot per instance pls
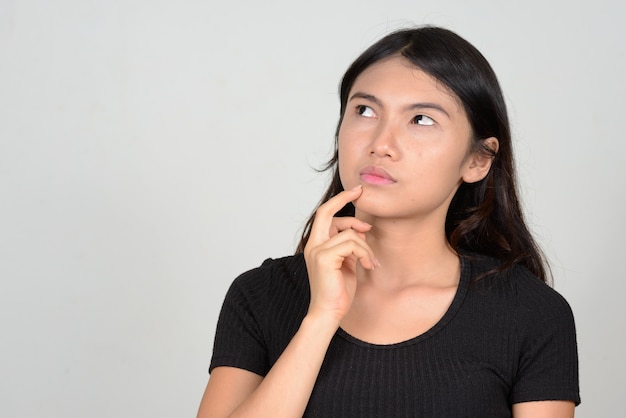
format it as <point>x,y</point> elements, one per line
<point>417,289</point>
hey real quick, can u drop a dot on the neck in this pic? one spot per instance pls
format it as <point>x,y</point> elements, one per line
<point>411,252</point>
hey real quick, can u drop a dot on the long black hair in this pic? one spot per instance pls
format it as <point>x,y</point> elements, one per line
<point>484,217</point>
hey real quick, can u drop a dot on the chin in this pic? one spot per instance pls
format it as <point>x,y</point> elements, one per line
<point>369,207</point>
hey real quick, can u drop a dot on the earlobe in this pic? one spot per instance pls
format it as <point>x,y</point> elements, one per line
<point>479,163</point>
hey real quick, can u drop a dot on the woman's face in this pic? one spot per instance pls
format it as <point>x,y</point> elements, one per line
<point>406,139</point>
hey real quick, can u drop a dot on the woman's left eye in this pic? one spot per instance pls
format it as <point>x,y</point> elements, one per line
<point>366,111</point>
<point>423,120</point>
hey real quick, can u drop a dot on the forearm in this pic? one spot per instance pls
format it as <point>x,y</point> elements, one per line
<point>286,389</point>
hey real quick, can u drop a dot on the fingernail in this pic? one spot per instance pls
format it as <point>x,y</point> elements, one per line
<point>375,262</point>
<point>357,187</point>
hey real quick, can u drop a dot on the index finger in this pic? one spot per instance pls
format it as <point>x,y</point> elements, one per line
<point>325,213</point>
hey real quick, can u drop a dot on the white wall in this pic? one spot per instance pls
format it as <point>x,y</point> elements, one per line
<point>150,151</point>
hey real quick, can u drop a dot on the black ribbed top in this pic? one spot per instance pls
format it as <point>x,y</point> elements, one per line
<point>507,338</point>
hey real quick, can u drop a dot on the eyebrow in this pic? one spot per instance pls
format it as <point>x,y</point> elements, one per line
<point>413,106</point>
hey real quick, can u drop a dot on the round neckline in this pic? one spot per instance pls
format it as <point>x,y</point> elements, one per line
<point>457,301</point>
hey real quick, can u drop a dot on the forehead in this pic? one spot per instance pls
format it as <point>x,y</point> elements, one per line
<point>396,78</point>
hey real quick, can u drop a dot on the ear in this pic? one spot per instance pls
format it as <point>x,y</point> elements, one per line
<point>479,162</point>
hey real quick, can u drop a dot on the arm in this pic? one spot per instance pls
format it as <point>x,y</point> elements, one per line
<point>544,409</point>
<point>229,385</point>
<point>233,392</point>
<point>331,256</point>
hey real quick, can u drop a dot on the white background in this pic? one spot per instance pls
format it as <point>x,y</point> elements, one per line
<point>151,151</point>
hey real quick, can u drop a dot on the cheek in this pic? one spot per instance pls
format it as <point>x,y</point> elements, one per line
<point>344,165</point>
<point>441,167</point>
<point>348,163</point>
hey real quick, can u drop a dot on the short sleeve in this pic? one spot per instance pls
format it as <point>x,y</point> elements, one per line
<point>239,340</point>
<point>548,364</point>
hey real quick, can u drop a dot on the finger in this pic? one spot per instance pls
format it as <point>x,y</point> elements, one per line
<point>325,213</point>
<point>355,238</point>
<point>338,253</point>
<point>343,223</point>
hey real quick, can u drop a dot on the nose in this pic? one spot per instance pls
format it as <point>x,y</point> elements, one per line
<point>384,143</point>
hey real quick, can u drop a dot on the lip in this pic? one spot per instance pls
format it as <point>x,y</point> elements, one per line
<point>376,175</point>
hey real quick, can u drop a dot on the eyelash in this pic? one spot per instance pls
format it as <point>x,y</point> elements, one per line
<point>360,110</point>
<point>415,120</point>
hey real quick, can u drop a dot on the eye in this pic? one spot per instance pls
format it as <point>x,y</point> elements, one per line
<point>365,111</point>
<point>423,120</point>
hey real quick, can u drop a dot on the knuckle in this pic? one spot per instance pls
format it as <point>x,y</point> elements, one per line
<point>309,253</point>
<point>321,211</point>
<point>351,234</point>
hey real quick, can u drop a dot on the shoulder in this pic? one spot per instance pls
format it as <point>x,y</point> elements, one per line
<point>274,270</point>
<point>515,307</point>
<point>258,313</point>
<point>275,276</point>
<point>518,288</point>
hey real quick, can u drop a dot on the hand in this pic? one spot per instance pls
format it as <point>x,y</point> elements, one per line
<point>331,254</point>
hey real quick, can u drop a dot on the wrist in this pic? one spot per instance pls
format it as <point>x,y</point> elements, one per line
<point>322,322</point>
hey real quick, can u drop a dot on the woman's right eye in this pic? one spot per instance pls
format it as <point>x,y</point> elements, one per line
<point>366,111</point>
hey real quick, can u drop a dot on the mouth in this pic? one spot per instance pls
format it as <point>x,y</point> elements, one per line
<point>376,175</point>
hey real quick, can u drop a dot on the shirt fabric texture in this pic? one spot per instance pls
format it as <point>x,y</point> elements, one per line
<point>505,338</point>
